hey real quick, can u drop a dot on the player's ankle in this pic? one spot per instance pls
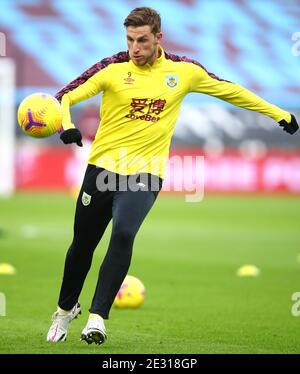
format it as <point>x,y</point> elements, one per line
<point>95,315</point>
<point>62,311</point>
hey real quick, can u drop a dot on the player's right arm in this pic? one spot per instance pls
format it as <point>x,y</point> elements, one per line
<point>90,88</point>
<point>88,84</point>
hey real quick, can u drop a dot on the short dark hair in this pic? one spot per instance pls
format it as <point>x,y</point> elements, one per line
<point>143,16</point>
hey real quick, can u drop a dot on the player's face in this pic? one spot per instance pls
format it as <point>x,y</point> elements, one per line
<point>143,44</point>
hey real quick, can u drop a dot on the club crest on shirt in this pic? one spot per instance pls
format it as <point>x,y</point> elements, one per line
<point>86,199</point>
<point>171,80</point>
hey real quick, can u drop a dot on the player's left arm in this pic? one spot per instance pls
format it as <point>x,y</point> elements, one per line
<point>233,93</point>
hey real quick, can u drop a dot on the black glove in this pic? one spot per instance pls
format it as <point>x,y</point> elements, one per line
<point>291,127</point>
<point>71,136</point>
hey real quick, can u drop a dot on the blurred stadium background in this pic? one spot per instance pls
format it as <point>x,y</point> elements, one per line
<point>47,43</point>
<point>248,42</point>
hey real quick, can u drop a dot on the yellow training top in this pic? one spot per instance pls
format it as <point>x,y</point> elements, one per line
<point>140,106</point>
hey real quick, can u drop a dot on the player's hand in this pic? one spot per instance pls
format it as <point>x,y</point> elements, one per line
<point>291,127</point>
<point>71,136</point>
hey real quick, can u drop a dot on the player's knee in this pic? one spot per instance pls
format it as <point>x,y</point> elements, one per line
<point>82,246</point>
<point>124,235</point>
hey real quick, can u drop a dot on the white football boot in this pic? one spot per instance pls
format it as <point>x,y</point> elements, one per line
<point>60,322</point>
<point>94,331</point>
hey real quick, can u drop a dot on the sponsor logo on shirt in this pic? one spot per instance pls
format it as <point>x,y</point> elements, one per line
<point>146,109</point>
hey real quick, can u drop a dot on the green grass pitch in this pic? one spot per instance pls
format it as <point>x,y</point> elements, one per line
<point>187,256</point>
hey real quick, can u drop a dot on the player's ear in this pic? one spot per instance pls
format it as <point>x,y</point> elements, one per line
<point>158,37</point>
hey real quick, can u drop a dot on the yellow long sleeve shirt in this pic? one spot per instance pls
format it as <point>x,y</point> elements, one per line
<point>140,106</point>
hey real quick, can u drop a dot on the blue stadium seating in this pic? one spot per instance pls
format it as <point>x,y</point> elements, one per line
<point>245,41</point>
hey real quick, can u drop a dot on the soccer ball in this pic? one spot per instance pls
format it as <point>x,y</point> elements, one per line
<point>40,115</point>
<point>131,293</point>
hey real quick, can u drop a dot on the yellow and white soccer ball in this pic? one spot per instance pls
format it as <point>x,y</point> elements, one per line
<point>131,293</point>
<point>40,115</point>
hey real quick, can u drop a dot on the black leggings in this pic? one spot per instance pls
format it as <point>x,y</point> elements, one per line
<point>94,210</point>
